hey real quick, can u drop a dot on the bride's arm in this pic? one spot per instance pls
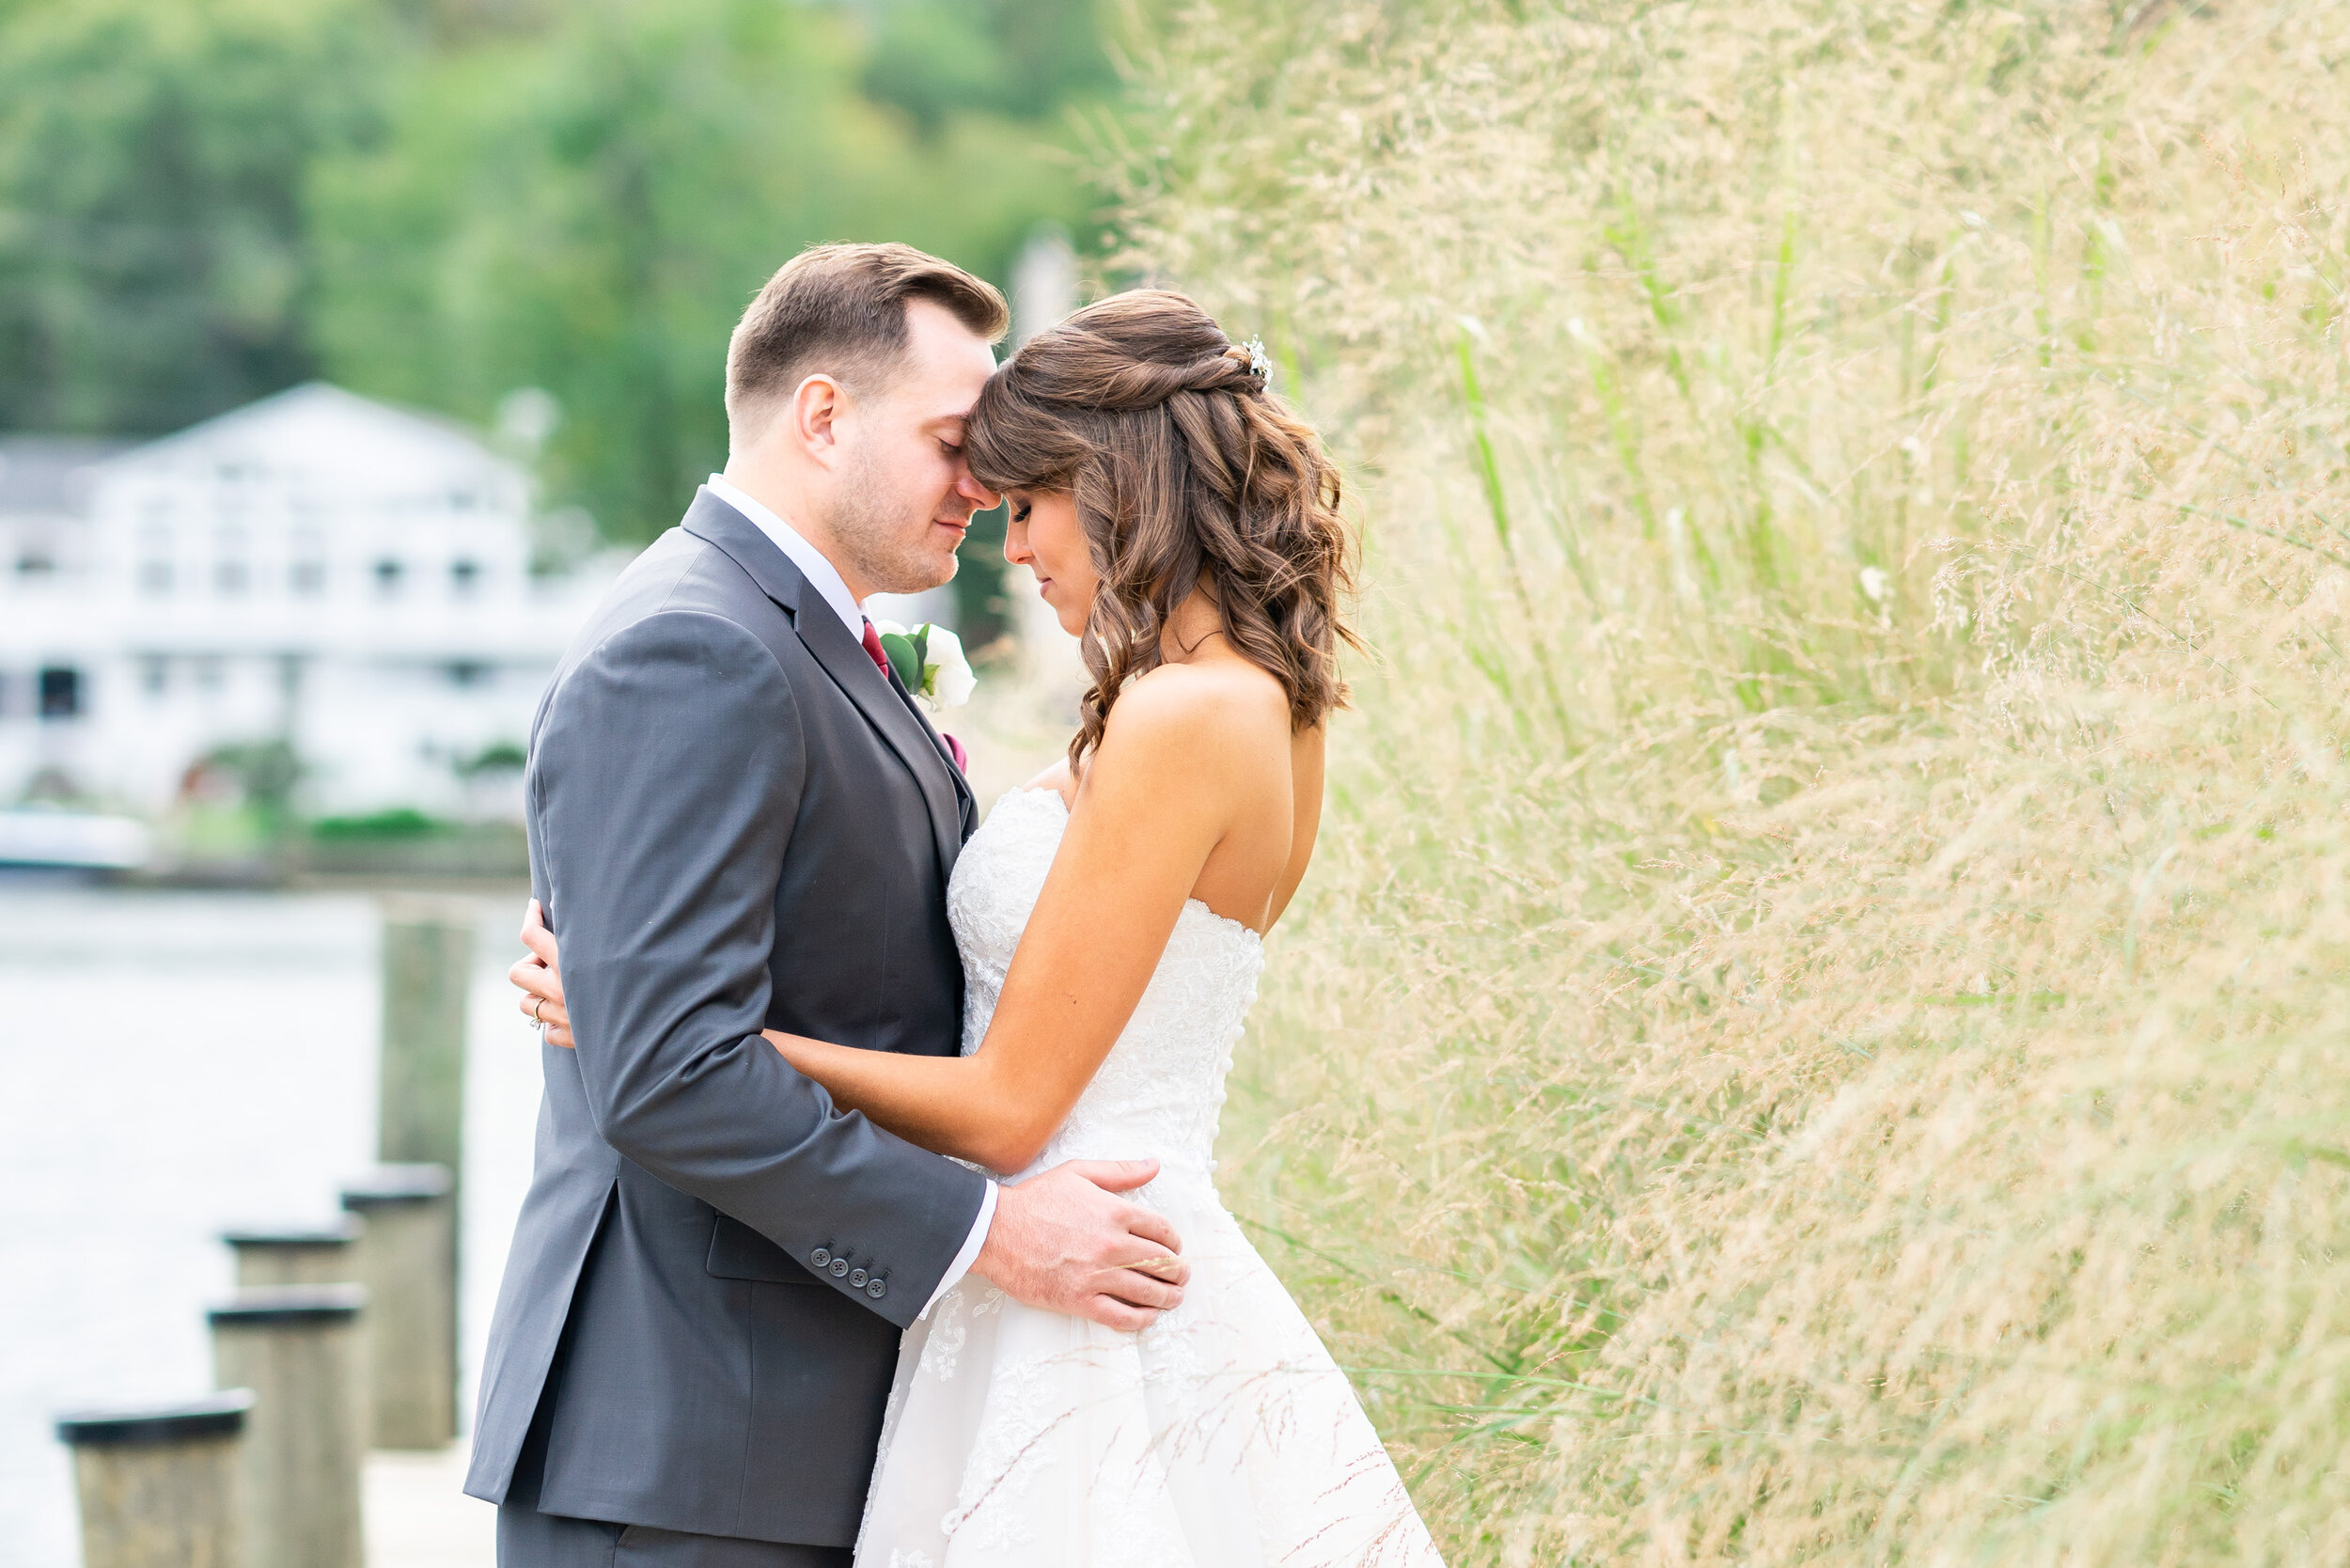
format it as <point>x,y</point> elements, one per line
<point>1156,799</point>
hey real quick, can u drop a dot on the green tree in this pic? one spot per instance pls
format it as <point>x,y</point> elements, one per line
<point>440,201</point>
<point>155,265</point>
<point>587,210</point>
<point>1023,58</point>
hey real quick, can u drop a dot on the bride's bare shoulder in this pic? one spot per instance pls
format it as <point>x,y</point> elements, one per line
<point>1183,712</point>
<point>1226,699</point>
<point>1220,728</point>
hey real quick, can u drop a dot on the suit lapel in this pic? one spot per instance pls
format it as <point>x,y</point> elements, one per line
<point>821,631</point>
<point>966,804</point>
<point>854,672</point>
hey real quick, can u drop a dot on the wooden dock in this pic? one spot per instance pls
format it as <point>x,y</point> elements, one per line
<point>416,1516</point>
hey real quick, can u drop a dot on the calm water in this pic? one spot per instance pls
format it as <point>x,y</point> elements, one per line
<point>172,1063</point>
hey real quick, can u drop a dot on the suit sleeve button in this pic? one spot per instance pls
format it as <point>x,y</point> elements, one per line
<point>840,1267</point>
<point>820,1257</point>
<point>876,1290</point>
<point>857,1279</point>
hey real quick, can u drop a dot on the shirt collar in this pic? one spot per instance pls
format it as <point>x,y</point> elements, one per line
<point>821,575</point>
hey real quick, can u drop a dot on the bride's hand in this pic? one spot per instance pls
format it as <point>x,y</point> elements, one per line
<point>541,979</point>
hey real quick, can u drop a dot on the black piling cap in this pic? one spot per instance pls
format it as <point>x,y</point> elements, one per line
<point>220,1415</point>
<point>261,1306</point>
<point>397,1183</point>
<point>334,1233</point>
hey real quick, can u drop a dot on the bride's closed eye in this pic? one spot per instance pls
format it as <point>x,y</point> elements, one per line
<point>1020,511</point>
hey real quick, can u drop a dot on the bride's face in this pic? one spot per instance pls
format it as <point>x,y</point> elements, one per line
<point>1043,535</point>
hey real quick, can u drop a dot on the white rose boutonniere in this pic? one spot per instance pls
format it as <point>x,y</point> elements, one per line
<point>929,659</point>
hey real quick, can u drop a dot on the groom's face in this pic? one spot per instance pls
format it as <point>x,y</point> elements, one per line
<point>903,496</point>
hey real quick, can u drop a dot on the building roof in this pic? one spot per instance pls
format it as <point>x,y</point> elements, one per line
<point>45,475</point>
<point>321,427</point>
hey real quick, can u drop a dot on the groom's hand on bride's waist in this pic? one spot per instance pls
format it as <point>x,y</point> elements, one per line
<point>1065,1241</point>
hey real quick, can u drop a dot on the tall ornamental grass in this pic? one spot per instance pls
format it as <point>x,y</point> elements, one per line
<point>1819,1030</point>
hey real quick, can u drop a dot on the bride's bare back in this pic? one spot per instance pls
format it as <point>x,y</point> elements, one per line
<point>1261,777</point>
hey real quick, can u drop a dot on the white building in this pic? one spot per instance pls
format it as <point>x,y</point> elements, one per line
<point>351,578</point>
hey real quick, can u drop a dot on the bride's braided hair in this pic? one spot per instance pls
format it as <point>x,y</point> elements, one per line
<point>1180,461</point>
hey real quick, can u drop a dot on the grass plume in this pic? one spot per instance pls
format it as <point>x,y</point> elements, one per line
<point>1816,1033</point>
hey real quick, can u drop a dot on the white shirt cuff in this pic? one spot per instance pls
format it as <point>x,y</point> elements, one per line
<point>969,1255</point>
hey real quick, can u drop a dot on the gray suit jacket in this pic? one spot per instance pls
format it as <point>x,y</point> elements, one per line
<point>736,822</point>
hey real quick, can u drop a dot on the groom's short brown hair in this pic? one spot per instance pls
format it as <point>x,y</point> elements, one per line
<point>840,309</point>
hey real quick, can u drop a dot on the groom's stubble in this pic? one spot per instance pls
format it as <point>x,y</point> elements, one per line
<point>885,535</point>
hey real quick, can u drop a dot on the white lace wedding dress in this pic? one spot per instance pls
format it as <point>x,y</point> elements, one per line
<point>1223,1436</point>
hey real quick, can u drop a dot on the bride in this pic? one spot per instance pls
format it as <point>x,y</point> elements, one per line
<point>1111,918</point>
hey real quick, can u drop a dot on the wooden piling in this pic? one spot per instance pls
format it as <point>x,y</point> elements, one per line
<point>161,1486</point>
<point>321,1255</point>
<point>428,964</point>
<point>408,1262</point>
<point>297,1347</point>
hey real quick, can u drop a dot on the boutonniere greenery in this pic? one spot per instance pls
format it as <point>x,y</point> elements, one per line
<point>929,659</point>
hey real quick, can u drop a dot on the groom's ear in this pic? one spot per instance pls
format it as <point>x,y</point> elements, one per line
<point>812,418</point>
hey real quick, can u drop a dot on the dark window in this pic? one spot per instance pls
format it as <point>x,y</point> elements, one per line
<point>387,573</point>
<point>210,673</point>
<point>60,693</point>
<point>463,577</point>
<point>155,577</point>
<point>229,577</point>
<point>309,578</point>
<point>466,674</point>
<point>154,674</point>
<point>35,562</point>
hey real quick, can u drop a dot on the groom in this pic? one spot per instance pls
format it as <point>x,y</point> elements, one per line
<point>738,819</point>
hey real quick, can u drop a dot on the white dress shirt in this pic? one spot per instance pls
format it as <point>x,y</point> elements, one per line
<point>826,579</point>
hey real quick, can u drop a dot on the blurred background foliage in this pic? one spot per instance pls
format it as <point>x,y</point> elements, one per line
<point>157,259</point>
<point>440,201</point>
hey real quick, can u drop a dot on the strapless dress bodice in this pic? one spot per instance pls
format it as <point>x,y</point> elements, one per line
<point>1159,1091</point>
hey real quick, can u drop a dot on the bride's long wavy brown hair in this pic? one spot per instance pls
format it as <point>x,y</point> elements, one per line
<point>1182,463</point>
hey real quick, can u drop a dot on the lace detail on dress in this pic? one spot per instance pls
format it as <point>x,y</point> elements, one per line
<point>1222,1436</point>
<point>1161,1089</point>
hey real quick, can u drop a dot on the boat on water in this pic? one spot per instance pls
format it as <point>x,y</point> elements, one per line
<point>73,840</point>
